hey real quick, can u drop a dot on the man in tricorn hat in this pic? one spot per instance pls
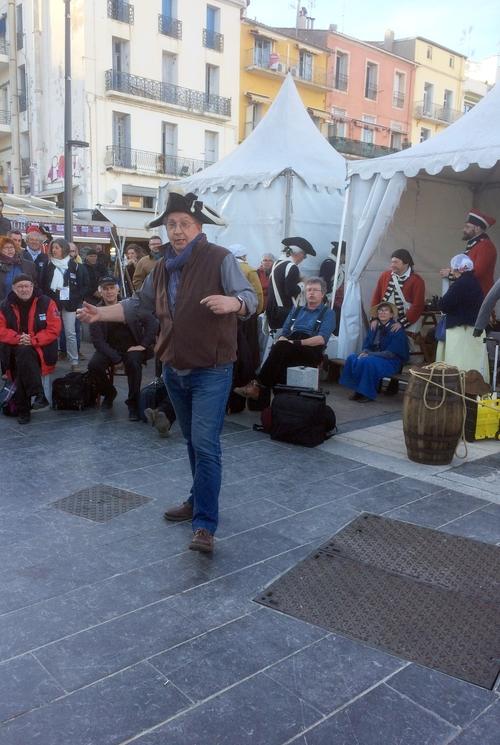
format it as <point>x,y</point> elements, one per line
<point>479,248</point>
<point>403,287</point>
<point>284,281</point>
<point>197,292</point>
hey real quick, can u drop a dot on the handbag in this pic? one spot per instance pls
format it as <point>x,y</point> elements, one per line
<point>440,331</point>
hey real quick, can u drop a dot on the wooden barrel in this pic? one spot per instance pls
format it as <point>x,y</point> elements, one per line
<point>432,431</point>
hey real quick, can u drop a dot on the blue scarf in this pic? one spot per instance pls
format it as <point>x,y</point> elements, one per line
<point>174,264</point>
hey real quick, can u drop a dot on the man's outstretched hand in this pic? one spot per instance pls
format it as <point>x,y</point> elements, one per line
<point>88,313</point>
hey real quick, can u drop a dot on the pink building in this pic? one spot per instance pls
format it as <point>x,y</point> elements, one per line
<point>370,102</point>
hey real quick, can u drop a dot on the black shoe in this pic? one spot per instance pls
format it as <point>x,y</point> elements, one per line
<point>39,402</point>
<point>393,387</point>
<point>24,418</point>
<point>133,415</point>
<point>107,401</point>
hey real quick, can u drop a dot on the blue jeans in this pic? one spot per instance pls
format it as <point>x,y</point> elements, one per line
<point>199,399</point>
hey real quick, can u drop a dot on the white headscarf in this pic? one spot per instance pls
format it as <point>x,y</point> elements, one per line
<point>462,263</point>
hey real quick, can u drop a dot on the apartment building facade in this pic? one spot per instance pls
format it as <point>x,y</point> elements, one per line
<point>155,94</point>
<point>267,56</point>
<point>439,80</point>
<point>369,100</point>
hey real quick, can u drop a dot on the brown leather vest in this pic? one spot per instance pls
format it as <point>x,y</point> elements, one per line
<point>194,337</point>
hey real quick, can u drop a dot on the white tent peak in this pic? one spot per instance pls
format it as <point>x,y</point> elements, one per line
<point>286,138</point>
<point>471,140</point>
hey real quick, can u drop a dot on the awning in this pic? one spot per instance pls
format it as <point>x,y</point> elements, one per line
<point>257,97</point>
<point>320,113</point>
<point>127,222</point>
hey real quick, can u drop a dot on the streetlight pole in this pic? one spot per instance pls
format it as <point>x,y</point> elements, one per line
<point>68,153</point>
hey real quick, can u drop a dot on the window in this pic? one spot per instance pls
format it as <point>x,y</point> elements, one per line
<point>341,66</point>
<point>120,55</point>
<point>3,25</point>
<point>169,68</point>
<point>398,96</point>
<point>167,8</point>
<point>371,81</point>
<point>338,128</point>
<point>121,140</point>
<point>396,136</point>
<point>451,62</point>
<point>305,65</point>
<point>22,87</point>
<point>169,148</point>
<point>211,147</point>
<point>212,80</point>
<point>429,52</point>
<point>424,134</point>
<point>262,52</point>
<point>368,133</point>
<point>254,113</point>
<point>428,98</point>
<point>138,202</point>
<point>212,39</point>
<point>19,26</point>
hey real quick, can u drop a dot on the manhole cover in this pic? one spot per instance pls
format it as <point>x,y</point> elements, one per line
<point>100,503</point>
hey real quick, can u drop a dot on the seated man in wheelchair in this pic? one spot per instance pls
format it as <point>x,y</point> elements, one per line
<point>304,337</point>
<point>115,343</point>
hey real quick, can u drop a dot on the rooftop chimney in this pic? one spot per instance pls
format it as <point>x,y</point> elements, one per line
<point>389,40</point>
<point>333,28</point>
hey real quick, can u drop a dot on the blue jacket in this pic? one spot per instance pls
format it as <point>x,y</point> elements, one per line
<point>386,343</point>
<point>462,301</point>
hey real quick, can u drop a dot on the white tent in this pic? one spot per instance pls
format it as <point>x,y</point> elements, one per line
<point>418,199</point>
<point>284,179</point>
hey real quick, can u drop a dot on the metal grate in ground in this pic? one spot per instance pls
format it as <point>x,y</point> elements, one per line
<point>406,590</point>
<point>100,503</point>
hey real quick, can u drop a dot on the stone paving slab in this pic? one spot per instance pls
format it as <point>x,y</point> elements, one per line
<point>115,633</point>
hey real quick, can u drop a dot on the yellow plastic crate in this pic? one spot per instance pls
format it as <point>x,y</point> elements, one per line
<point>488,418</point>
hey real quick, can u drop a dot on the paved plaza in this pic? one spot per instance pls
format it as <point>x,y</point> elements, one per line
<point>113,633</point>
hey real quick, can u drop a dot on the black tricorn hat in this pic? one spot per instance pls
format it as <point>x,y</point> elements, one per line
<point>301,243</point>
<point>191,205</point>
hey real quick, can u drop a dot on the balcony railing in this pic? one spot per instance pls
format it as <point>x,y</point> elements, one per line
<point>272,63</point>
<point>167,93</point>
<point>4,46</point>
<point>25,167</point>
<point>4,116</point>
<point>424,110</point>
<point>170,26</point>
<point>340,82</point>
<point>213,40</point>
<point>121,11</point>
<point>361,149</point>
<point>153,163</point>
<point>398,100</point>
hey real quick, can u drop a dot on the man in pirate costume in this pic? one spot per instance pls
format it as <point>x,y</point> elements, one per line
<point>284,279</point>
<point>403,287</point>
<point>479,248</point>
<point>197,292</point>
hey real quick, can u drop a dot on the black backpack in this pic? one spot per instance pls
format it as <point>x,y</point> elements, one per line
<point>76,391</point>
<point>299,416</point>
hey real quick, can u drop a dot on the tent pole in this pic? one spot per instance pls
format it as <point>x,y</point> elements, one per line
<point>341,237</point>
<point>288,201</point>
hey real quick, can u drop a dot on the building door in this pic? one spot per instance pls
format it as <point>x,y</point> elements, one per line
<point>262,52</point>
<point>121,140</point>
<point>211,147</point>
<point>169,148</point>
<point>428,98</point>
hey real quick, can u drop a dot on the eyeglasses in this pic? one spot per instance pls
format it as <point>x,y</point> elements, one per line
<point>182,225</point>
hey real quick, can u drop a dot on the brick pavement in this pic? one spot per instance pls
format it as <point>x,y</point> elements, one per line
<point>112,633</point>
